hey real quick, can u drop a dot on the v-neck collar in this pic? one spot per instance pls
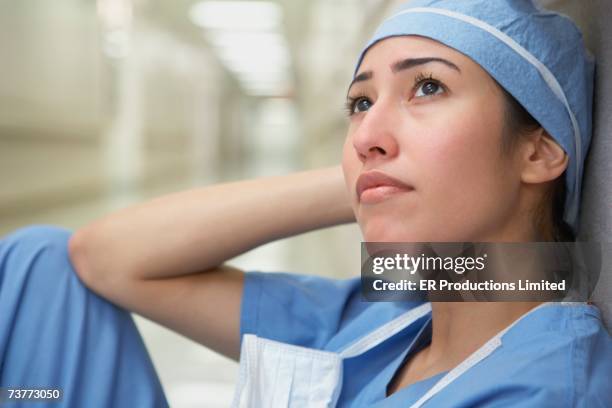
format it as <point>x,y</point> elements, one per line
<point>379,395</point>
<point>422,338</point>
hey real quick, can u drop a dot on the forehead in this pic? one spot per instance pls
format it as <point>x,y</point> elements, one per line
<point>392,49</point>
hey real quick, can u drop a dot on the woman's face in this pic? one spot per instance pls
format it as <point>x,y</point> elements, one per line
<point>431,120</point>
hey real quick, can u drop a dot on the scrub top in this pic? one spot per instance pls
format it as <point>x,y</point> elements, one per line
<point>558,355</point>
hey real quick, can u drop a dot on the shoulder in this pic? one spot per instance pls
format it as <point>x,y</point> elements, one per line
<point>560,355</point>
<point>299,309</point>
<point>311,311</point>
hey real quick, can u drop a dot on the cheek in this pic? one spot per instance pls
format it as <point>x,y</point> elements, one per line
<point>463,139</point>
<point>458,159</point>
<point>461,167</point>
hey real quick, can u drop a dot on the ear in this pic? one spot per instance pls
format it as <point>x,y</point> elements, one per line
<point>542,158</point>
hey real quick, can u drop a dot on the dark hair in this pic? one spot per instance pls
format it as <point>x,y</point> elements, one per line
<point>549,214</point>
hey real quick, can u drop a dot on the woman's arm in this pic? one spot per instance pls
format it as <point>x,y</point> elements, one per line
<point>164,259</point>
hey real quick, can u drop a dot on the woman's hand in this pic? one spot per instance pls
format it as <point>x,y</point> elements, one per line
<point>164,259</point>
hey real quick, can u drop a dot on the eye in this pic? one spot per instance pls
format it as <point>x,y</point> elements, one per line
<point>362,105</point>
<point>357,105</point>
<point>428,88</point>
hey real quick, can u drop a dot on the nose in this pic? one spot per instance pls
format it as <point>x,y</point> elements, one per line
<point>375,136</point>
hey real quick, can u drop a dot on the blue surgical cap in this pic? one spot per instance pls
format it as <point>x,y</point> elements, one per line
<point>536,55</point>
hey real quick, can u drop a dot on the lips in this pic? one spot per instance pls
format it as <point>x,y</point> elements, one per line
<point>374,186</point>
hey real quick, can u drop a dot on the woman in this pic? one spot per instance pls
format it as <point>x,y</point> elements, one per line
<point>469,121</point>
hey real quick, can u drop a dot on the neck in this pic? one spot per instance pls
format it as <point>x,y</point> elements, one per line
<point>460,328</point>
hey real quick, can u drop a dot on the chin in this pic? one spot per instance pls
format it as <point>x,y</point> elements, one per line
<point>391,231</point>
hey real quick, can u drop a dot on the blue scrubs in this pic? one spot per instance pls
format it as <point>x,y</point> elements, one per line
<point>55,333</point>
<point>559,355</point>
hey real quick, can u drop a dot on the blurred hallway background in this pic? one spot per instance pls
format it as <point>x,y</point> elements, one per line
<point>110,102</point>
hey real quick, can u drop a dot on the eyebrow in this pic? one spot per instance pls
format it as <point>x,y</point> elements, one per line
<point>403,65</point>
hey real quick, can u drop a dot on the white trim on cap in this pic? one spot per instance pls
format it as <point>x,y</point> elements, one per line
<point>548,76</point>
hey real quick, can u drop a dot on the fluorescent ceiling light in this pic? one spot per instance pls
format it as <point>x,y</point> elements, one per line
<point>250,63</point>
<point>236,15</point>
<point>263,81</point>
<point>269,55</point>
<point>115,13</point>
<point>249,41</point>
<point>246,37</point>
<point>252,53</point>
